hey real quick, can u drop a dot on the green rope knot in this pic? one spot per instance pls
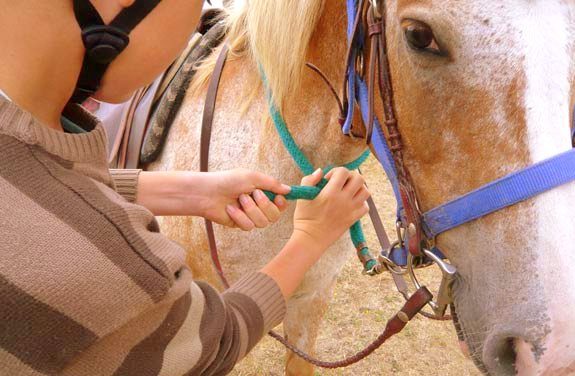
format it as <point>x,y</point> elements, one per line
<point>299,192</point>
<point>370,264</point>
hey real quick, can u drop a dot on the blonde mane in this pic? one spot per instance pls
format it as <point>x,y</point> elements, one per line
<point>272,34</point>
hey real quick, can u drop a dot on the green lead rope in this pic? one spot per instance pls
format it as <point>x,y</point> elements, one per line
<point>309,193</point>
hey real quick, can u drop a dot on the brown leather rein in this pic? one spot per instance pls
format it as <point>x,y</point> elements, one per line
<point>414,303</point>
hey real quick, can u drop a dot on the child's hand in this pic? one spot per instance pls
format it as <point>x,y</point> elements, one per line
<point>235,199</point>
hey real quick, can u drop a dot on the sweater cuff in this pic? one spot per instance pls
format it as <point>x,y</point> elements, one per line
<point>265,292</point>
<point>126,182</point>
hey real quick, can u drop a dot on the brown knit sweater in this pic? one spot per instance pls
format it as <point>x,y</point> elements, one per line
<point>88,285</point>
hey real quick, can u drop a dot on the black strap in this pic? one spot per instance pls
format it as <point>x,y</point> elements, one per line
<point>86,14</point>
<point>130,17</point>
<point>103,42</point>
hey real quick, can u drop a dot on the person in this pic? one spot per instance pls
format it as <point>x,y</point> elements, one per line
<point>88,284</point>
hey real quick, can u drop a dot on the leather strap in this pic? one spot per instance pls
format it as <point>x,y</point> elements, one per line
<point>378,59</point>
<point>129,121</point>
<point>140,124</point>
<point>395,325</point>
<point>328,83</point>
<point>206,135</point>
<point>383,239</point>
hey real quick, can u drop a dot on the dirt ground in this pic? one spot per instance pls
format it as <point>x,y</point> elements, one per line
<point>358,312</point>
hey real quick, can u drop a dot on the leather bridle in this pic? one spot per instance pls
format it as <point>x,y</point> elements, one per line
<point>379,79</point>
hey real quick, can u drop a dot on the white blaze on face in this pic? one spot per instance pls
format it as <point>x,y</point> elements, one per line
<point>543,28</point>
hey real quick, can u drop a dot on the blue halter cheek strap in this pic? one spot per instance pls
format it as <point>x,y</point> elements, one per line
<point>501,193</point>
<point>506,191</point>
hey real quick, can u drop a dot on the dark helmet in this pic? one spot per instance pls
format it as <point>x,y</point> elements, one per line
<point>103,42</point>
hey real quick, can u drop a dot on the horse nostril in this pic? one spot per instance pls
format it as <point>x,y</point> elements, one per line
<point>499,356</point>
<point>507,354</point>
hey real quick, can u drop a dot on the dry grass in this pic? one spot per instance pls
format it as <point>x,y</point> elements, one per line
<point>358,312</point>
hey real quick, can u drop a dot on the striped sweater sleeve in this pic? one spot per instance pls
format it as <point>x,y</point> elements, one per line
<point>194,329</point>
<point>204,332</point>
<point>89,286</point>
<point>126,182</point>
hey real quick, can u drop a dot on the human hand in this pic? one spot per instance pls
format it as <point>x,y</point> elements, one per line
<point>339,205</point>
<point>235,199</point>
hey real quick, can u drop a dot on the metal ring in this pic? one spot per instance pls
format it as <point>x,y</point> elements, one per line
<point>375,270</point>
<point>391,266</point>
<point>415,281</point>
<point>412,265</point>
<point>411,271</point>
<point>447,270</point>
<point>388,262</point>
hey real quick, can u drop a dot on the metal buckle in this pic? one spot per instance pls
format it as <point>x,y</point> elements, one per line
<point>448,271</point>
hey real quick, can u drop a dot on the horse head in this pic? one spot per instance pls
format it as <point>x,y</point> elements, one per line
<point>483,89</point>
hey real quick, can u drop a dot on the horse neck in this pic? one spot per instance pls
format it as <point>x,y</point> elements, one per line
<point>311,112</point>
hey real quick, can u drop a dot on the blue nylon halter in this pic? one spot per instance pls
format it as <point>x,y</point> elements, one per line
<point>501,193</point>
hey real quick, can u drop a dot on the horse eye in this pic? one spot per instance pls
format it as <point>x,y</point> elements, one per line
<point>419,36</point>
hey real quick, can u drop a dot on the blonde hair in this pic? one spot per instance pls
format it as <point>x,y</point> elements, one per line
<point>275,35</point>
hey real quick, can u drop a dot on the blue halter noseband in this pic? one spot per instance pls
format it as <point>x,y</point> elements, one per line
<point>499,194</point>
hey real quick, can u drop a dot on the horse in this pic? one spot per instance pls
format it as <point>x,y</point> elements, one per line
<point>482,89</point>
